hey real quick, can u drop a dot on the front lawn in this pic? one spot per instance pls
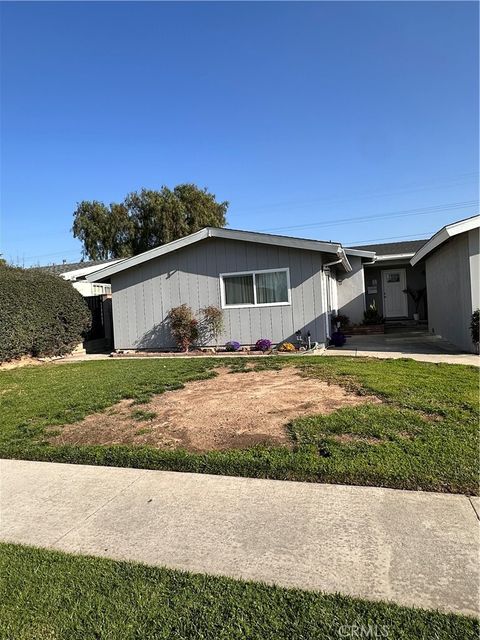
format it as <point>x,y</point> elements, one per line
<point>47,594</point>
<point>423,436</point>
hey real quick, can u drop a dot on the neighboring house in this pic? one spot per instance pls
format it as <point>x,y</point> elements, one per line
<point>268,286</point>
<point>97,295</point>
<point>76,272</point>
<point>451,263</point>
<point>389,278</point>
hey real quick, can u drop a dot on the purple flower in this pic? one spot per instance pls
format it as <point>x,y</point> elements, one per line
<point>233,345</point>
<point>263,344</point>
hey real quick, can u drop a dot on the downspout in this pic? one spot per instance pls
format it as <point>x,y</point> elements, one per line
<point>330,264</point>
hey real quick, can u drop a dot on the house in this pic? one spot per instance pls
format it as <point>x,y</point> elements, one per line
<point>76,273</point>
<point>97,296</point>
<point>450,260</point>
<point>272,286</point>
<point>395,286</point>
<point>268,286</point>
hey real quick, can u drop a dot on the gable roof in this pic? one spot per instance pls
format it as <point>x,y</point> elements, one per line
<point>445,233</point>
<point>394,248</point>
<point>76,270</point>
<point>229,234</point>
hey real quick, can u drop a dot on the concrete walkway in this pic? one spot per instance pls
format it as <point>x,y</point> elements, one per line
<point>413,548</point>
<point>416,344</point>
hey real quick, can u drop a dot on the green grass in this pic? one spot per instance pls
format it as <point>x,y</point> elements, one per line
<point>423,436</point>
<point>141,415</point>
<point>47,595</point>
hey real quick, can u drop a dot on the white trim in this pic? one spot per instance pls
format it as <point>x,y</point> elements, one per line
<point>360,253</point>
<point>255,304</point>
<point>443,235</point>
<point>403,284</point>
<point>229,234</point>
<point>84,271</point>
<point>395,256</point>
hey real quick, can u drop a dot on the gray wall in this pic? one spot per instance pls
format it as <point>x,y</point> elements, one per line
<point>473,250</point>
<point>143,295</point>
<point>415,280</point>
<point>452,291</point>
<point>351,291</point>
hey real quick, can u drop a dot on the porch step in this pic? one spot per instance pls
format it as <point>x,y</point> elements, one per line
<point>405,325</point>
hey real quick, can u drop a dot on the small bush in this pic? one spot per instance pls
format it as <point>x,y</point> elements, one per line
<point>338,339</point>
<point>286,347</point>
<point>474,326</point>
<point>212,321</point>
<point>233,345</point>
<point>183,326</point>
<point>263,344</point>
<point>371,315</point>
<point>40,314</point>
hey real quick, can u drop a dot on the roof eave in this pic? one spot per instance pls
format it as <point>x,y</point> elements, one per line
<point>447,232</point>
<point>230,234</point>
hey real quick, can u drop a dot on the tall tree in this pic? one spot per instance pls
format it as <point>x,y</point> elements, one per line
<point>201,208</point>
<point>105,232</point>
<point>146,219</point>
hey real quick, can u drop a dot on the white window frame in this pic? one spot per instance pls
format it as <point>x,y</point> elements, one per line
<point>255,303</point>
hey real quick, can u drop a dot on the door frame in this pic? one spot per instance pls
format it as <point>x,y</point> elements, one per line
<point>403,280</point>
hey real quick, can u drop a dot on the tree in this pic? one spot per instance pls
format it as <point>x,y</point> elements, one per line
<point>104,231</point>
<point>146,219</point>
<point>200,208</point>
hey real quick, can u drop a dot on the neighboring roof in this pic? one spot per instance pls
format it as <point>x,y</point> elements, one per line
<point>445,234</point>
<point>394,248</point>
<point>230,234</point>
<point>76,270</point>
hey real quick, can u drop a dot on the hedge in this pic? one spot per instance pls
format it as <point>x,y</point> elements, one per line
<point>40,314</point>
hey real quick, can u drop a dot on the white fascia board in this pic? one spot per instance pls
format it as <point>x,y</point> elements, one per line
<point>229,234</point>
<point>396,256</point>
<point>449,231</point>
<point>360,253</point>
<point>84,271</point>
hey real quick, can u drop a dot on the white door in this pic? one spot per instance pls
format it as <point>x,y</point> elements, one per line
<point>395,303</point>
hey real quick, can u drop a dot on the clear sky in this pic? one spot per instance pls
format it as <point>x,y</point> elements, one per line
<point>318,120</point>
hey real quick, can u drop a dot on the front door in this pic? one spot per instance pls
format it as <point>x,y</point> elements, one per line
<point>395,303</point>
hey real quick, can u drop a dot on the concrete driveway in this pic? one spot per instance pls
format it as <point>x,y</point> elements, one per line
<point>413,548</point>
<point>416,344</point>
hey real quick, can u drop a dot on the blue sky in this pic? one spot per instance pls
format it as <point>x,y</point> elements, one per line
<point>317,120</point>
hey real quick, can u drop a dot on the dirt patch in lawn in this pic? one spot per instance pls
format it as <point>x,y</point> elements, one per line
<point>230,411</point>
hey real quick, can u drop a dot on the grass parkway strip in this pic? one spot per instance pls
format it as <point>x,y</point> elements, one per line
<point>423,435</point>
<point>48,594</point>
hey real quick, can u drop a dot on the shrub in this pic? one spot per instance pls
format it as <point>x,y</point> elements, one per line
<point>212,320</point>
<point>338,339</point>
<point>371,315</point>
<point>40,314</point>
<point>286,346</point>
<point>233,345</point>
<point>183,326</point>
<point>263,345</point>
<point>474,326</point>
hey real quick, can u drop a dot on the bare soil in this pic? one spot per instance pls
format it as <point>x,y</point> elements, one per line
<point>230,411</point>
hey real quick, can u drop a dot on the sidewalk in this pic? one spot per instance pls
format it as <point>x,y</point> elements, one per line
<point>413,548</point>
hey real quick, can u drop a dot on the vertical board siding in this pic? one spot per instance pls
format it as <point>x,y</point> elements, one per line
<point>143,295</point>
<point>449,295</point>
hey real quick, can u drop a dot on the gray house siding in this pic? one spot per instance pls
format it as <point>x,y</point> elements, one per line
<point>453,288</point>
<point>351,291</point>
<point>143,295</point>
